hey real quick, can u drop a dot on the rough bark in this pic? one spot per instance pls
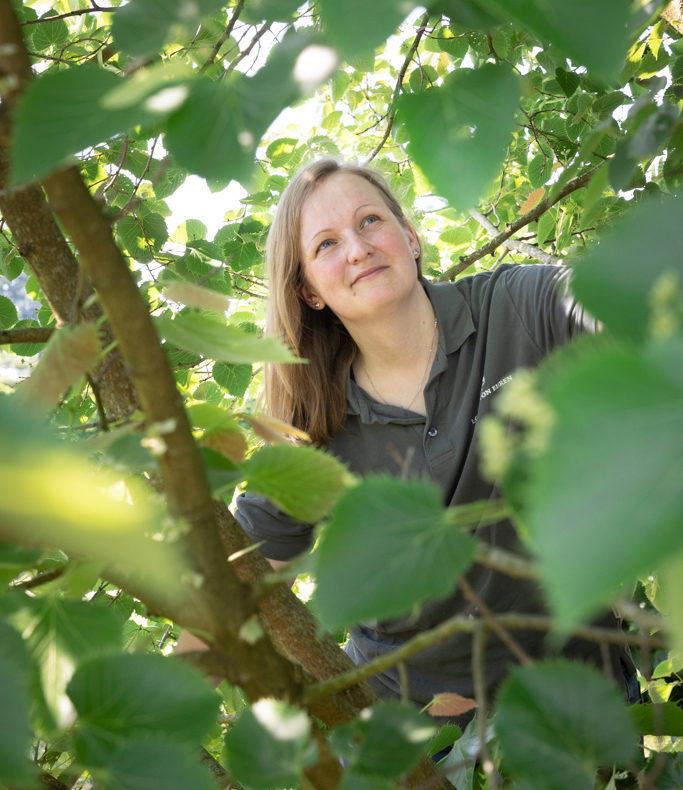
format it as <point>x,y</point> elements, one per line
<point>673,14</point>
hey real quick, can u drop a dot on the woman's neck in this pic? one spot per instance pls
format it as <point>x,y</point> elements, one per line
<point>395,350</point>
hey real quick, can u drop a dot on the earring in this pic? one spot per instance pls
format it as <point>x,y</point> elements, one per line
<point>416,253</point>
<point>316,305</point>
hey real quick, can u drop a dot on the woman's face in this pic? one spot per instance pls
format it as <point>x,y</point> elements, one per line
<point>358,258</point>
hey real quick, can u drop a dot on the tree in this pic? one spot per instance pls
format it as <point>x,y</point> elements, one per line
<point>553,122</point>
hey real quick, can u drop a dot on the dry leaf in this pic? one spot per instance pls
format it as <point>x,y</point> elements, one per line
<point>533,200</point>
<point>196,296</point>
<point>448,704</point>
<point>229,442</point>
<point>70,352</point>
<point>271,430</point>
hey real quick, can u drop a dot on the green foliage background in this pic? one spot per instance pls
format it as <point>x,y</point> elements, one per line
<point>555,124</point>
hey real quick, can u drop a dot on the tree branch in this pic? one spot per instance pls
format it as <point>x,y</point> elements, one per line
<point>38,334</point>
<point>391,114</point>
<point>40,578</point>
<point>462,624</point>
<point>262,31</point>
<point>514,244</point>
<point>520,222</point>
<point>226,35</point>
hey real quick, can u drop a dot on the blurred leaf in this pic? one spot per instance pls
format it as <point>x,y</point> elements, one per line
<point>202,334</point>
<point>533,200</point>
<point>557,722</point>
<point>463,154</point>
<point>615,280</point>
<point>351,37</point>
<point>668,719</point>
<point>272,430</point>
<point>16,558</point>
<point>568,80</point>
<point>120,697</point>
<point>15,735</point>
<point>592,34</point>
<point>540,170</point>
<point>196,296</point>
<point>157,765</point>
<point>69,354</point>
<point>302,481</point>
<point>142,26</point>
<point>598,519</point>
<point>269,746</point>
<point>8,313</point>
<point>269,11</point>
<point>458,238</point>
<point>223,474</point>
<point>386,740</point>
<point>389,546</point>
<point>234,379</point>
<point>55,119</point>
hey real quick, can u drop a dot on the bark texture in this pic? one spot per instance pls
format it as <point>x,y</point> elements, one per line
<point>673,14</point>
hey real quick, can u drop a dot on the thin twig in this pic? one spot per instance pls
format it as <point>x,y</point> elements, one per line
<point>45,577</point>
<point>104,422</point>
<point>461,624</point>
<point>503,634</point>
<point>37,334</point>
<point>130,200</point>
<point>399,84</point>
<point>515,244</point>
<point>78,12</point>
<point>520,222</point>
<point>262,31</point>
<point>479,679</point>
<point>226,35</point>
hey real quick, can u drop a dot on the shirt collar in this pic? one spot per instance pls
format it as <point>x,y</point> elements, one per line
<point>454,316</point>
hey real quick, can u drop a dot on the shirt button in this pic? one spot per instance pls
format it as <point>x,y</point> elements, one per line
<point>432,431</point>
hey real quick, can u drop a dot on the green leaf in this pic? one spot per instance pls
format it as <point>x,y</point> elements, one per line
<point>121,697</point>
<point>455,46</point>
<point>667,721</point>
<point>385,741</point>
<point>390,545</point>
<point>202,334</point>
<point>8,313</point>
<point>234,379</point>
<point>605,105</point>
<point>15,735</point>
<point>142,236</point>
<point>593,34</point>
<point>172,178</point>
<point>243,255</point>
<point>190,230</point>
<point>568,80</point>
<point>540,170</point>
<point>142,27</point>
<point>612,281</point>
<point>223,475</point>
<point>60,115</point>
<point>216,131</point>
<point>379,20</point>
<point>156,765</point>
<point>460,162</point>
<point>269,746</point>
<point>597,519</point>
<point>280,151</point>
<point>50,34</point>
<point>302,481</point>
<point>444,738</point>
<point>14,557</point>
<point>456,238</point>
<point>558,721</point>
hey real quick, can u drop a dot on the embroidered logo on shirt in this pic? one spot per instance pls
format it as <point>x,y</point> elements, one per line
<point>486,391</point>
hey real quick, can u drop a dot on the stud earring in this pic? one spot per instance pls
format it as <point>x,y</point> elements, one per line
<point>316,305</point>
<point>416,253</point>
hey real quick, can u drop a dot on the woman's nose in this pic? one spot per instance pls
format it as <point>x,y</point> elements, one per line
<point>357,247</point>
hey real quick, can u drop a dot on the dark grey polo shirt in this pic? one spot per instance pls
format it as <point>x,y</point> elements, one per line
<point>490,325</point>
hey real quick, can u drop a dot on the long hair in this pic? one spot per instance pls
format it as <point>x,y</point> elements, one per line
<point>311,397</point>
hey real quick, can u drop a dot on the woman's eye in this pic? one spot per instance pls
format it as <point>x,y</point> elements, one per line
<point>370,220</point>
<point>324,245</point>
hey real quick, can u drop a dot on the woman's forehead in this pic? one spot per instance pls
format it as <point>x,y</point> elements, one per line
<point>339,195</point>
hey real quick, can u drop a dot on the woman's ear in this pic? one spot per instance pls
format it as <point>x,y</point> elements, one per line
<point>413,240</point>
<point>307,295</point>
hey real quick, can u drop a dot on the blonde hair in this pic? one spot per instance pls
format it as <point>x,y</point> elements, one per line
<point>312,396</point>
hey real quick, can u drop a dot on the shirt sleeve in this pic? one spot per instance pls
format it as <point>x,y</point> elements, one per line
<point>284,537</point>
<point>542,296</point>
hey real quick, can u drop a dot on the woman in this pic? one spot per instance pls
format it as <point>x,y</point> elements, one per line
<point>400,368</point>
